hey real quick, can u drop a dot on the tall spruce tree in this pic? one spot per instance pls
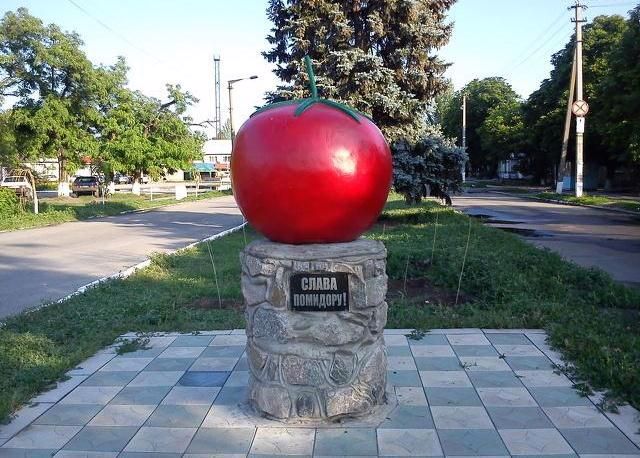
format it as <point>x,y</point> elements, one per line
<point>375,55</point>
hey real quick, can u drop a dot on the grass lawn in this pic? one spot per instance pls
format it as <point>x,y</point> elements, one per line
<point>603,201</point>
<point>506,284</point>
<point>63,209</point>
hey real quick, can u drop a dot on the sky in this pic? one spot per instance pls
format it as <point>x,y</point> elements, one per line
<point>174,41</point>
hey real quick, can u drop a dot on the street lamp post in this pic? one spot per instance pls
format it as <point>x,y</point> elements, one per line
<point>230,84</point>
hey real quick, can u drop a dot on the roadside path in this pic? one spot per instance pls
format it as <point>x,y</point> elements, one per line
<point>47,263</point>
<point>586,236</point>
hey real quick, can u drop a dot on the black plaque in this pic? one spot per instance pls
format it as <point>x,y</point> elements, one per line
<point>319,292</point>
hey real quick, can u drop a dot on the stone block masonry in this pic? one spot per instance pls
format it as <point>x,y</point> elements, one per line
<point>323,365</point>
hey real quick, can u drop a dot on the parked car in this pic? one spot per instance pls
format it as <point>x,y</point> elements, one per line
<point>122,179</point>
<point>20,184</point>
<point>86,185</point>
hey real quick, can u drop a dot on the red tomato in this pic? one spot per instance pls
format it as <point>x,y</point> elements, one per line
<point>319,177</point>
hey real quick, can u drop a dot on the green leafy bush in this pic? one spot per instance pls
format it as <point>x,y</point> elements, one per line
<point>9,203</point>
<point>431,165</point>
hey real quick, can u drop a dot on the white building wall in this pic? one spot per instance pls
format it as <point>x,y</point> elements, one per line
<point>217,151</point>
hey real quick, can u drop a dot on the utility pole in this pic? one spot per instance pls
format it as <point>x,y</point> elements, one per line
<point>230,84</point>
<point>567,128</point>
<point>580,120</point>
<point>464,133</point>
<point>217,121</point>
<point>233,134</point>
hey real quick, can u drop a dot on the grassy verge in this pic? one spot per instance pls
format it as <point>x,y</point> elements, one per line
<point>506,283</point>
<point>47,186</point>
<point>63,209</point>
<point>602,201</point>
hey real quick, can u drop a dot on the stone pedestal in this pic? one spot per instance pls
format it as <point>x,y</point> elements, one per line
<point>315,364</point>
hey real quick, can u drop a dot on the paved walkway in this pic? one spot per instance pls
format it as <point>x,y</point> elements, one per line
<point>457,392</point>
<point>47,263</point>
<point>589,237</point>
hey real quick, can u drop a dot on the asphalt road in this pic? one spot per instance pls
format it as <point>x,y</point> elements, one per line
<point>44,264</point>
<point>586,236</point>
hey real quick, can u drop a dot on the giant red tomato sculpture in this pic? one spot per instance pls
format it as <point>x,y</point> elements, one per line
<point>310,171</point>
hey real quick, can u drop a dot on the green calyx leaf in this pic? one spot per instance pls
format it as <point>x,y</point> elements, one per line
<point>305,104</point>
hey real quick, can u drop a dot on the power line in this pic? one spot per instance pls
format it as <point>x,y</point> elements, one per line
<point>535,51</point>
<point>117,34</point>
<point>539,37</point>
<point>613,4</point>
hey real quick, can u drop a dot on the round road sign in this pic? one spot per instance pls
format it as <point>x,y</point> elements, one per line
<point>580,108</point>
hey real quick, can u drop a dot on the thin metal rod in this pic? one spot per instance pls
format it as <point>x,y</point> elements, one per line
<point>464,260</point>
<point>435,231</point>
<point>215,274</point>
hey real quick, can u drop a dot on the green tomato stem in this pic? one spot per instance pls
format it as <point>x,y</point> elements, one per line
<point>304,104</point>
<point>312,77</point>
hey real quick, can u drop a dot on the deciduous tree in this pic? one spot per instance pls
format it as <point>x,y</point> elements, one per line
<point>63,106</point>
<point>491,103</point>
<point>53,84</point>
<point>142,134</point>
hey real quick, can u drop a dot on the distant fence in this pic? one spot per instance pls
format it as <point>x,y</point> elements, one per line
<point>168,189</point>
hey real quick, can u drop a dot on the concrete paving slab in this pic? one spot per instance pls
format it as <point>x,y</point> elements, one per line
<point>152,439</point>
<point>348,441</point>
<point>69,414</point>
<point>283,441</point>
<point>142,395</point>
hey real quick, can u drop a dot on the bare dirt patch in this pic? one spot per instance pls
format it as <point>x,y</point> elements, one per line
<point>422,292</point>
<point>209,303</point>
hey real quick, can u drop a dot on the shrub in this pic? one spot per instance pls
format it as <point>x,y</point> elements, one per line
<point>9,203</point>
<point>431,165</point>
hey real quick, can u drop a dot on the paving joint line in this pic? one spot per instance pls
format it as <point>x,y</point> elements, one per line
<point>429,406</point>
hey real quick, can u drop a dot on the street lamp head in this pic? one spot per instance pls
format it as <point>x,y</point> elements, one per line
<point>242,79</point>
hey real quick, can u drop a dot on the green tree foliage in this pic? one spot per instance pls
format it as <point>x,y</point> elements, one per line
<point>45,71</point>
<point>8,151</point>
<point>225,131</point>
<point>65,107</point>
<point>502,132</point>
<point>9,203</point>
<point>618,117</point>
<point>494,122</point>
<point>611,88</point>
<point>141,134</point>
<point>377,56</point>
<point>442,103</point>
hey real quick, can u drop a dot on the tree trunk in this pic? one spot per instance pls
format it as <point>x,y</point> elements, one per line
<point>61,169</point>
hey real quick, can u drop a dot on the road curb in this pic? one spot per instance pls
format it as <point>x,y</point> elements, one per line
<point>571,204</point>
<point>131,270</point>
